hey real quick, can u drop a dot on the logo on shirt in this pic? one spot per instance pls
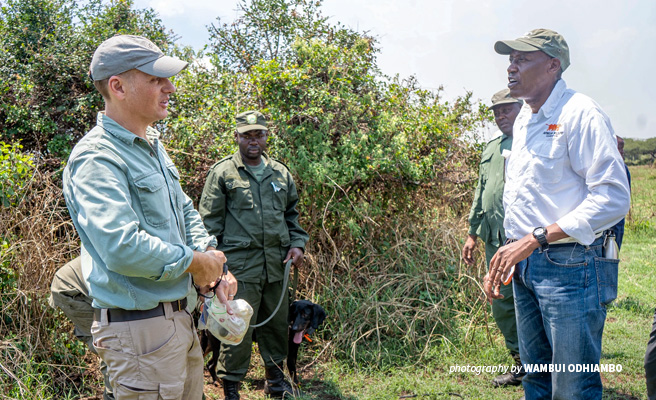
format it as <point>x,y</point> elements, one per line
<point>553,130</point>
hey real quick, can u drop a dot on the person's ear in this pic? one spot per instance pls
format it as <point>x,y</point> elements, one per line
<point>116,86</point>
<point>554,65</point>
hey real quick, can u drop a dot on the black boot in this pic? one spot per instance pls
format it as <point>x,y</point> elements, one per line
<point>513,377</point>
<point>230,390</point>
<point>277,386</point>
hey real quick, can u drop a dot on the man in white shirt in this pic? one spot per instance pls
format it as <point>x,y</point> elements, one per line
<point>565,186</point>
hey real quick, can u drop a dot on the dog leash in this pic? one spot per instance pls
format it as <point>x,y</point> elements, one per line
<point>282,295</point>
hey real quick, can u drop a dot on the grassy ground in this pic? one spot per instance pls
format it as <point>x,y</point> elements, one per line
<point>626,333</point>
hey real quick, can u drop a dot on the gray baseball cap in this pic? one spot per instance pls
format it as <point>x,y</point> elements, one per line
<point>250,121</point>
<point>125,52</point>
<point>551,43</point>
<point>503,97</point>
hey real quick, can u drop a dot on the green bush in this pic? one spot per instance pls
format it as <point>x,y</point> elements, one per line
<point>15,169</point>
<point>48,102</point>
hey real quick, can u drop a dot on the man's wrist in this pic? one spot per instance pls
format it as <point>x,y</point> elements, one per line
<point>539,234</point>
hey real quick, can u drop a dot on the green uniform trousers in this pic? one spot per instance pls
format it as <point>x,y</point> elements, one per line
<point>271,338</point>
<point>69,293</point>
<point>503,310</point>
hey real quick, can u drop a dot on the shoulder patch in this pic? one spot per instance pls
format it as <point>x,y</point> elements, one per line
<point>496,139</point>
<point>224,159</point>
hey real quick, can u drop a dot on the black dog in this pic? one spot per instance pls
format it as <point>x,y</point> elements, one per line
<point>304,318</point>
<point>209,343</point>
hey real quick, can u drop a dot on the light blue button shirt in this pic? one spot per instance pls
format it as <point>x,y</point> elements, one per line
<point>138,228</point>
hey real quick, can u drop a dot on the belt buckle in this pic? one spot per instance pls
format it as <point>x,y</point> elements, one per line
<point>179,303</point>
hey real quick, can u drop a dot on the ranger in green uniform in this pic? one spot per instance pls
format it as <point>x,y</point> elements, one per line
<point>486,222</point>
<point>249,204</point>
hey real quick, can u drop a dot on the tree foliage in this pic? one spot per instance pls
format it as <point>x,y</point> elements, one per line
<point>48,102</point>
<point>640,152</point>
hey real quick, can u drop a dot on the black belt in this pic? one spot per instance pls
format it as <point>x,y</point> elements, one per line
<point>120,315</point>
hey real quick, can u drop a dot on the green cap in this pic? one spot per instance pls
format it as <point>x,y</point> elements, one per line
<point>548,41</point>
<point>503,97</point>
<point>125,52</point>
<point>250,121</point>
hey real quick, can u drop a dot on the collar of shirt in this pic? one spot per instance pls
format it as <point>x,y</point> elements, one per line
<point>123,134</point>
<point>549,107</point>
<point>239,162</point>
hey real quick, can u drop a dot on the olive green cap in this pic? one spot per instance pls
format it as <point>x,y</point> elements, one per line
<point>122,53</point>
<point>503,97</point>
<point>551,43</point>
<point>250,121</point>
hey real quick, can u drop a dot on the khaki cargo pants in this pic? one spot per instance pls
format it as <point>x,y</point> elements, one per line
<point>154,358</point>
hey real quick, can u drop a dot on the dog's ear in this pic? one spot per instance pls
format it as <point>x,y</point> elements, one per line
<point>293,310</point>
<point>318,316</point>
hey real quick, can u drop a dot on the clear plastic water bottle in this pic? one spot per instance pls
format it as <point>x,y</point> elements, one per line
<point>229,329</point>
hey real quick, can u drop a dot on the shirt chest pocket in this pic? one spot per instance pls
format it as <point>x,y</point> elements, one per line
<point>550,152</point>
<point>240,195</point>
<point>280,191</point>
<point>154,199</point>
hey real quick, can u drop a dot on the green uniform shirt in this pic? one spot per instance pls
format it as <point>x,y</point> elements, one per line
<point>486,215</point>
<point>255,223</point>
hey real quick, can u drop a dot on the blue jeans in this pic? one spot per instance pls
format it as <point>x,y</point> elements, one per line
<point>560,300</point>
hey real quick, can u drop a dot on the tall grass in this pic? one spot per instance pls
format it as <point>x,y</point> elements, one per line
<point>39,357</point>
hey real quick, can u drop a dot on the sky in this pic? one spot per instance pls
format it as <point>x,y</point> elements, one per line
<point>449,43</point>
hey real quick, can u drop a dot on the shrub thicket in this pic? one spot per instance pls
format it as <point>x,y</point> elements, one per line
<point>381,164</point>
<point>48,102</point>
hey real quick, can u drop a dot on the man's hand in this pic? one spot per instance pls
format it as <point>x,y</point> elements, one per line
<point>504,260</point>
<point>488,289</point>
<point>206,268</point>
<point>296,255</point>
<point>226,289</point>
<point>468,249</point>
<point>509,255</point>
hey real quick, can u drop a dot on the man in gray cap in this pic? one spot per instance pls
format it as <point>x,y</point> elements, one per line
<point>249,204</point>
<point>142,241</point>
<point>565,186</point>
<point>486,222</point>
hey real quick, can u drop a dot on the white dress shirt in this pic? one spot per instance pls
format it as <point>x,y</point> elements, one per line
<point>564,168</point>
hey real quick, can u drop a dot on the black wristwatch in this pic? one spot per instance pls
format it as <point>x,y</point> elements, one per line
<point>540,234</point>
